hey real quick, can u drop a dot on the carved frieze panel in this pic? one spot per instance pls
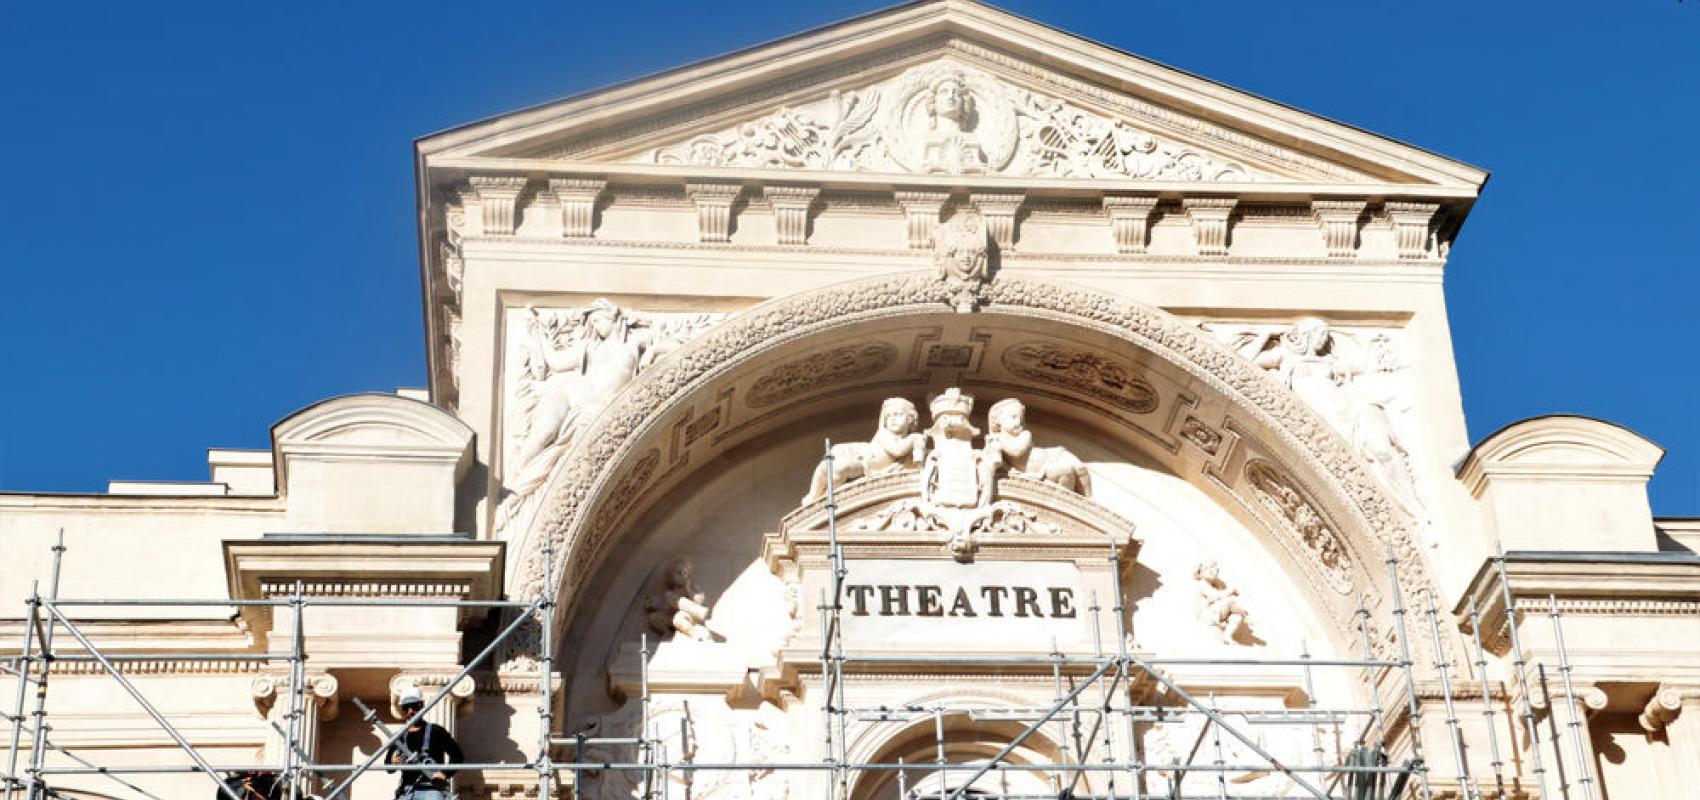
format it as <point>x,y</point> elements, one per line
<point>820,370</point>
<point>1359,379</point>
<point>1281,495</point>
<point>562,367</point>
<point>1101,377</point>
<point>946,117</point>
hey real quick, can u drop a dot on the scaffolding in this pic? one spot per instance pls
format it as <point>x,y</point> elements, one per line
<point>1093,723</point>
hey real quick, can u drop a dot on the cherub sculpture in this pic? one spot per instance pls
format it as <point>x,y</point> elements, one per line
<point>679,607</point>
<point>896,445</point>
<point>1009,444</point>
<point>1219,606</point>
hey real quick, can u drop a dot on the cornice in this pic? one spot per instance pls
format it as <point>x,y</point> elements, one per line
<point>456,167</point>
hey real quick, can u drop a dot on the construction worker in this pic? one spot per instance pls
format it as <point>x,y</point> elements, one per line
<point>252,786</point>
<point>427,743</point>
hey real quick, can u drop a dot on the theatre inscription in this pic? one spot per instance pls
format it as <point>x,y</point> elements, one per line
<point>932,600</point>
<point>943,604</point>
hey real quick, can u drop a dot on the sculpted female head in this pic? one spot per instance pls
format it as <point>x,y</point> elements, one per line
<point>949,100</point>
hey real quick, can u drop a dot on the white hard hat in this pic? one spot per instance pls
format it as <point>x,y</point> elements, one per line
<point>410,696</point>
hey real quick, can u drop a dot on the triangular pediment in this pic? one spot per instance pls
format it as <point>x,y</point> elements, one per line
<point>948,87</point>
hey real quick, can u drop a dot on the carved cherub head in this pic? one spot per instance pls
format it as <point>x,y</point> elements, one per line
<point>678,574</point>
<point>949,99</point>
<point>1208,572</point>
<point>898,416</point>
<point>1007,416</point>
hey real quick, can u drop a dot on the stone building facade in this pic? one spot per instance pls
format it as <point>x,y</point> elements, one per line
<point>1141,395</point>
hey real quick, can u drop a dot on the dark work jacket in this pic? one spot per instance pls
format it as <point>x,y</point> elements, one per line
<point>433,745</point>
<point>251,786</point>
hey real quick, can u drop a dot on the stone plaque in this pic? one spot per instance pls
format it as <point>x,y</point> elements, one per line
<point>941,604</point>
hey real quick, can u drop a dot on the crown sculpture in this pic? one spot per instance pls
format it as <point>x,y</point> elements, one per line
<point>956,482</point>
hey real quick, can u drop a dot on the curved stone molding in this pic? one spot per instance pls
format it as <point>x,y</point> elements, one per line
<point>1105,379</point>
<point>583,485</point>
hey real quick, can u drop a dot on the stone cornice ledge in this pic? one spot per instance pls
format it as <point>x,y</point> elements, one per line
<point>449,168</point>
<point>1628,584</point>
<point>374,566</point>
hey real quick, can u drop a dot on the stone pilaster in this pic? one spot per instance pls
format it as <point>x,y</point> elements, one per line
<point>1338,220</point>
<point>1210,219</point>
<point>578,198</point>
<point>1674,710</point>
<point>498,195</point>
<point>999,210</point>
<point>319,704</point>
<point>455,706</point>
<point>714,209</point>
<point>1130,220</point>
<point>791,206</point>
<point>921,212</point>
<point>1411,223</point>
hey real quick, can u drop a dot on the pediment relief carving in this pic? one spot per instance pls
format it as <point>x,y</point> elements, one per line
<point>949,118</point>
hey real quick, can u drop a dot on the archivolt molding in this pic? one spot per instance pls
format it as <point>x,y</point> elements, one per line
<point>596,482</point>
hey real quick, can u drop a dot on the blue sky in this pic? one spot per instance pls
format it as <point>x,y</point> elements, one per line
<point>209,218</point>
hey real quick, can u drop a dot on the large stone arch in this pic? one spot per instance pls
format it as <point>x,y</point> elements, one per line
<point>1278,462</point>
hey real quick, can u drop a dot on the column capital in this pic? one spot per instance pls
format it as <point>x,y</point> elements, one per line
<point>459,701</point>
<point>322,691</point>
<point>1666,704</point>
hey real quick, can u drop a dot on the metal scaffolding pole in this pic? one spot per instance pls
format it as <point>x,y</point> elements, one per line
<point>24,679</point>
<point>436,698</point>
<point>545,676</point>
<point>1520,666</point>
<point>1576,725</point>
<point>1415,706</point>
<point>1445,670</point>
<point>142,700</point>
<point>1488,714</point>
<point>38,740</point>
